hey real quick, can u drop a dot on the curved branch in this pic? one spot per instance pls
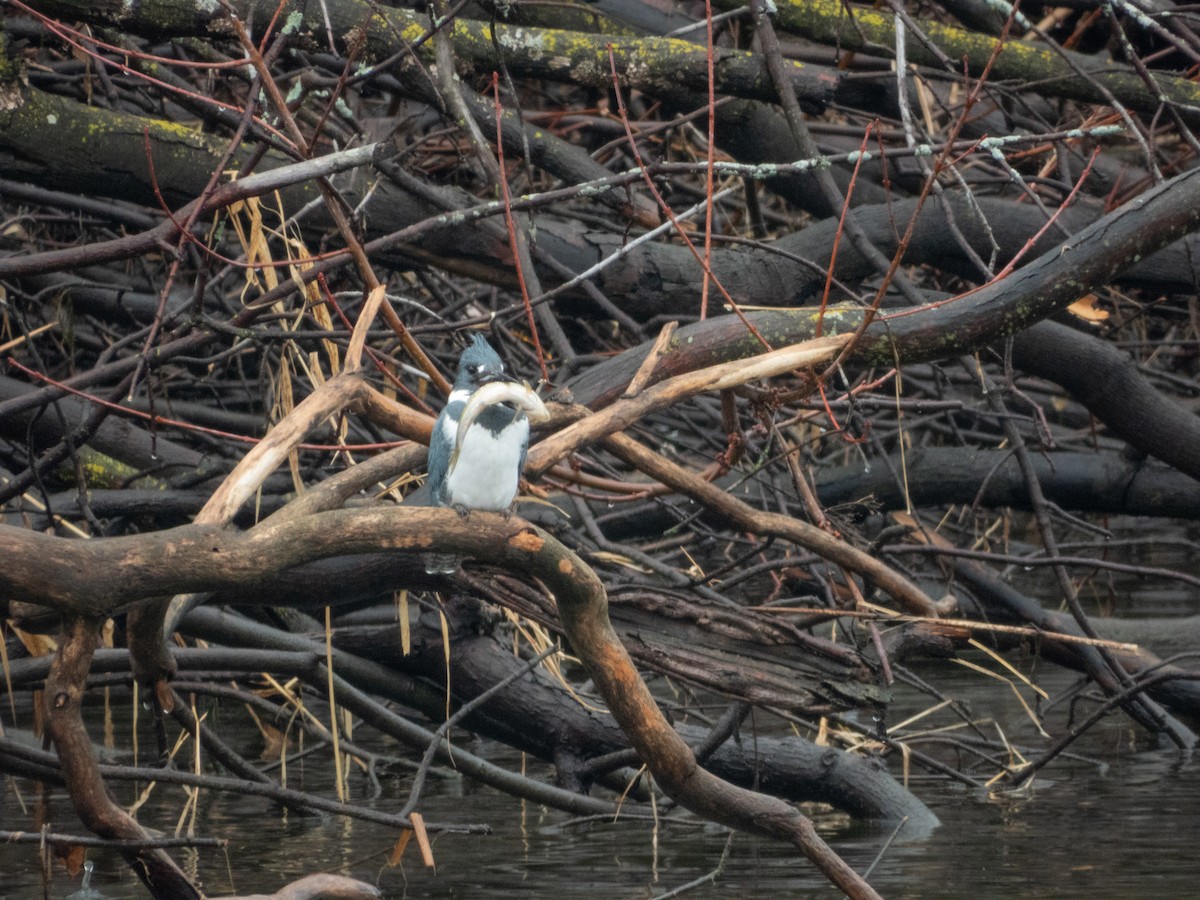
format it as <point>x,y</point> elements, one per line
<point>1107,381</point>
<point>764,523</point>
<point>627,411</point>
<point>81,771</point>
<point>204,558</point>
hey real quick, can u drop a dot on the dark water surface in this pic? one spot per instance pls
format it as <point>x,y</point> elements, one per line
<point>1128,827</point>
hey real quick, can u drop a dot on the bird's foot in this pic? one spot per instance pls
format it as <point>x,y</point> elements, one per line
<point>462,511</point>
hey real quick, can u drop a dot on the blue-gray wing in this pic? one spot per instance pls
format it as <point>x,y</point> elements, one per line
<point>440,449</point>
<point>521,464</point>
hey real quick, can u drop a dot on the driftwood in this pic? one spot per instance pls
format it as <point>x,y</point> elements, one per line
<point>224,345</point>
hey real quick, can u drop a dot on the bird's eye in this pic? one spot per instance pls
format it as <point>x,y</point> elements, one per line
<point>472,369</point>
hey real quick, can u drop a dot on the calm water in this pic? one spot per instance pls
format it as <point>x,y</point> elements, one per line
<point>1127,828</point>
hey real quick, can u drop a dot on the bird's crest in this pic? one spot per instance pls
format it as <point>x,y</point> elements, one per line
<point>478,360</point>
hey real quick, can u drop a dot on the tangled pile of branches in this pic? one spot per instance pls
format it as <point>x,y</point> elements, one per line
<point>843,317</point>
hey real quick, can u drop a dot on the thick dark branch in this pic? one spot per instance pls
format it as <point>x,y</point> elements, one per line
<point>203,558</point>
<point>649,64</point>
<point>874,31</point>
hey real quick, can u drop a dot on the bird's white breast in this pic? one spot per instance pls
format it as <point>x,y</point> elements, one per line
<point>486,473</point>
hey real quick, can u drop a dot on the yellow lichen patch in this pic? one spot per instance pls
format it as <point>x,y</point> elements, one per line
<point>101,471</point>
<point>412,32</point>
<point>823,18</point>
<point>841,314</point>
<point>175,129</point>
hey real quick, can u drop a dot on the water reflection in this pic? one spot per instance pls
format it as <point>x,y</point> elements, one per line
<point>1125,827</point>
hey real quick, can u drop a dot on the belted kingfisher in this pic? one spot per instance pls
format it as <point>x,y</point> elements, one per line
<point>492,454</point>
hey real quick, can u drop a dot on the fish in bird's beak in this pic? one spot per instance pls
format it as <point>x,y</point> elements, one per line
<point>497,389</point>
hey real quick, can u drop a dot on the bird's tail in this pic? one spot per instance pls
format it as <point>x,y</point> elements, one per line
<point>442,563</point>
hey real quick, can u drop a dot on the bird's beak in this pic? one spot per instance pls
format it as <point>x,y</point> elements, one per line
<point>496,376</point>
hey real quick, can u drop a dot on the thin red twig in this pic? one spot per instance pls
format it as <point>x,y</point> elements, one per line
<point>65,33</point>
<point>711,159</point>
<point>837,237</point>
<point>670,214</point>
<point>185,228</point>
<point>1029,244</point>
<point>76,39</point>
<point>511,226</point>
<point>938,165</point>
<point>189,426</point>
<point>1007,270</point>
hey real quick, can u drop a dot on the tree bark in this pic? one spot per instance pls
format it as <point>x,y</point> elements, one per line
<point>64,724</point>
